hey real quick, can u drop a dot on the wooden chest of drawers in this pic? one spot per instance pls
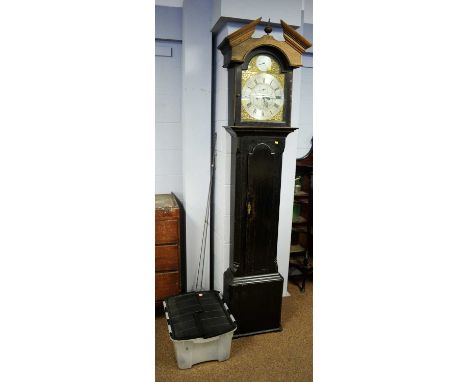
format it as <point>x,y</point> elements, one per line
<point>169,254</point>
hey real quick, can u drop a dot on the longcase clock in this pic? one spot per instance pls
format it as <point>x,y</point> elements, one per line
<point>259,119</point>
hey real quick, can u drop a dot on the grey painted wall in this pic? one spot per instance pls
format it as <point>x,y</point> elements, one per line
<point>168,76</point>
<point>196,128</point>
<point>183,127</point>
<point>305,131</point>
<point>168,133</point>
<point>168,23</point>
<point>250,10</point>
<point>306,112</point>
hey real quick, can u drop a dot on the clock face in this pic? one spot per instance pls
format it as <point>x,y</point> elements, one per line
<point>262,95</point>
<point>263,62</point>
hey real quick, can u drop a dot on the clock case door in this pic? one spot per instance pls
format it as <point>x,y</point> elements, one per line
<point>235,94</point>
<point>256,177</point>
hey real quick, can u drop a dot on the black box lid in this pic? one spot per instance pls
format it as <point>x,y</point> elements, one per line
<point>197,315</point>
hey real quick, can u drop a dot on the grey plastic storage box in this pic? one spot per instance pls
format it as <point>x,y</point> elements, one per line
<point>200,326</point>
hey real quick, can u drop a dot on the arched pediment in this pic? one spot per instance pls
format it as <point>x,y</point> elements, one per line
<point>236,46</point>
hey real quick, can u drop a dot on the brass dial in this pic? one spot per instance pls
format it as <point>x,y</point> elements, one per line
<point>262,94</point>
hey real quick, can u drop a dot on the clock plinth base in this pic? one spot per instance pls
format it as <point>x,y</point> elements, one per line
<point>255,302</point>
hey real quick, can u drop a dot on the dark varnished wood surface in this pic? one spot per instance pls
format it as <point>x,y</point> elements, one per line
<point>262,221</point>
<point>256,176</point>
<point>252,285</point>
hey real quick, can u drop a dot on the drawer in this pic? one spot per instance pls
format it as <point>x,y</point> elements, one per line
<point>167,231</point>
<point>167,257</point>
<point>167,284</point>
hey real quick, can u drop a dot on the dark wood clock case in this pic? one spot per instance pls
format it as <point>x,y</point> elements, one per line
<point>252,285</point>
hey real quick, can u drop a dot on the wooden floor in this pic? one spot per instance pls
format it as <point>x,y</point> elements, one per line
<point>280,356</point>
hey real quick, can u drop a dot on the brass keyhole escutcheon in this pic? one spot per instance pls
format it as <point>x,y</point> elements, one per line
<point>249,208</point>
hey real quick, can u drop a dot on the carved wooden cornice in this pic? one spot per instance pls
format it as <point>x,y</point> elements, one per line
<point>240,35</point>
<point>238,44</point>
<point>295,39</point>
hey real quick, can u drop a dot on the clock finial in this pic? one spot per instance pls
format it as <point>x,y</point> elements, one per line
<point>268,29</point>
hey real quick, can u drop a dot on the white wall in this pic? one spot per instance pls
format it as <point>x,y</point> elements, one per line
<point>308,11</point>
<point>196,128</point>
<point>170,3</point>
<point>222,187</point>
<point>305,105</point>
<point>168,75</point>
<point>305,108</point>
<point>168,23</point>
<point>250,10</point>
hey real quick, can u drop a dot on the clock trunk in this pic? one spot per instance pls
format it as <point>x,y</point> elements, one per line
<point>252,285</point>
